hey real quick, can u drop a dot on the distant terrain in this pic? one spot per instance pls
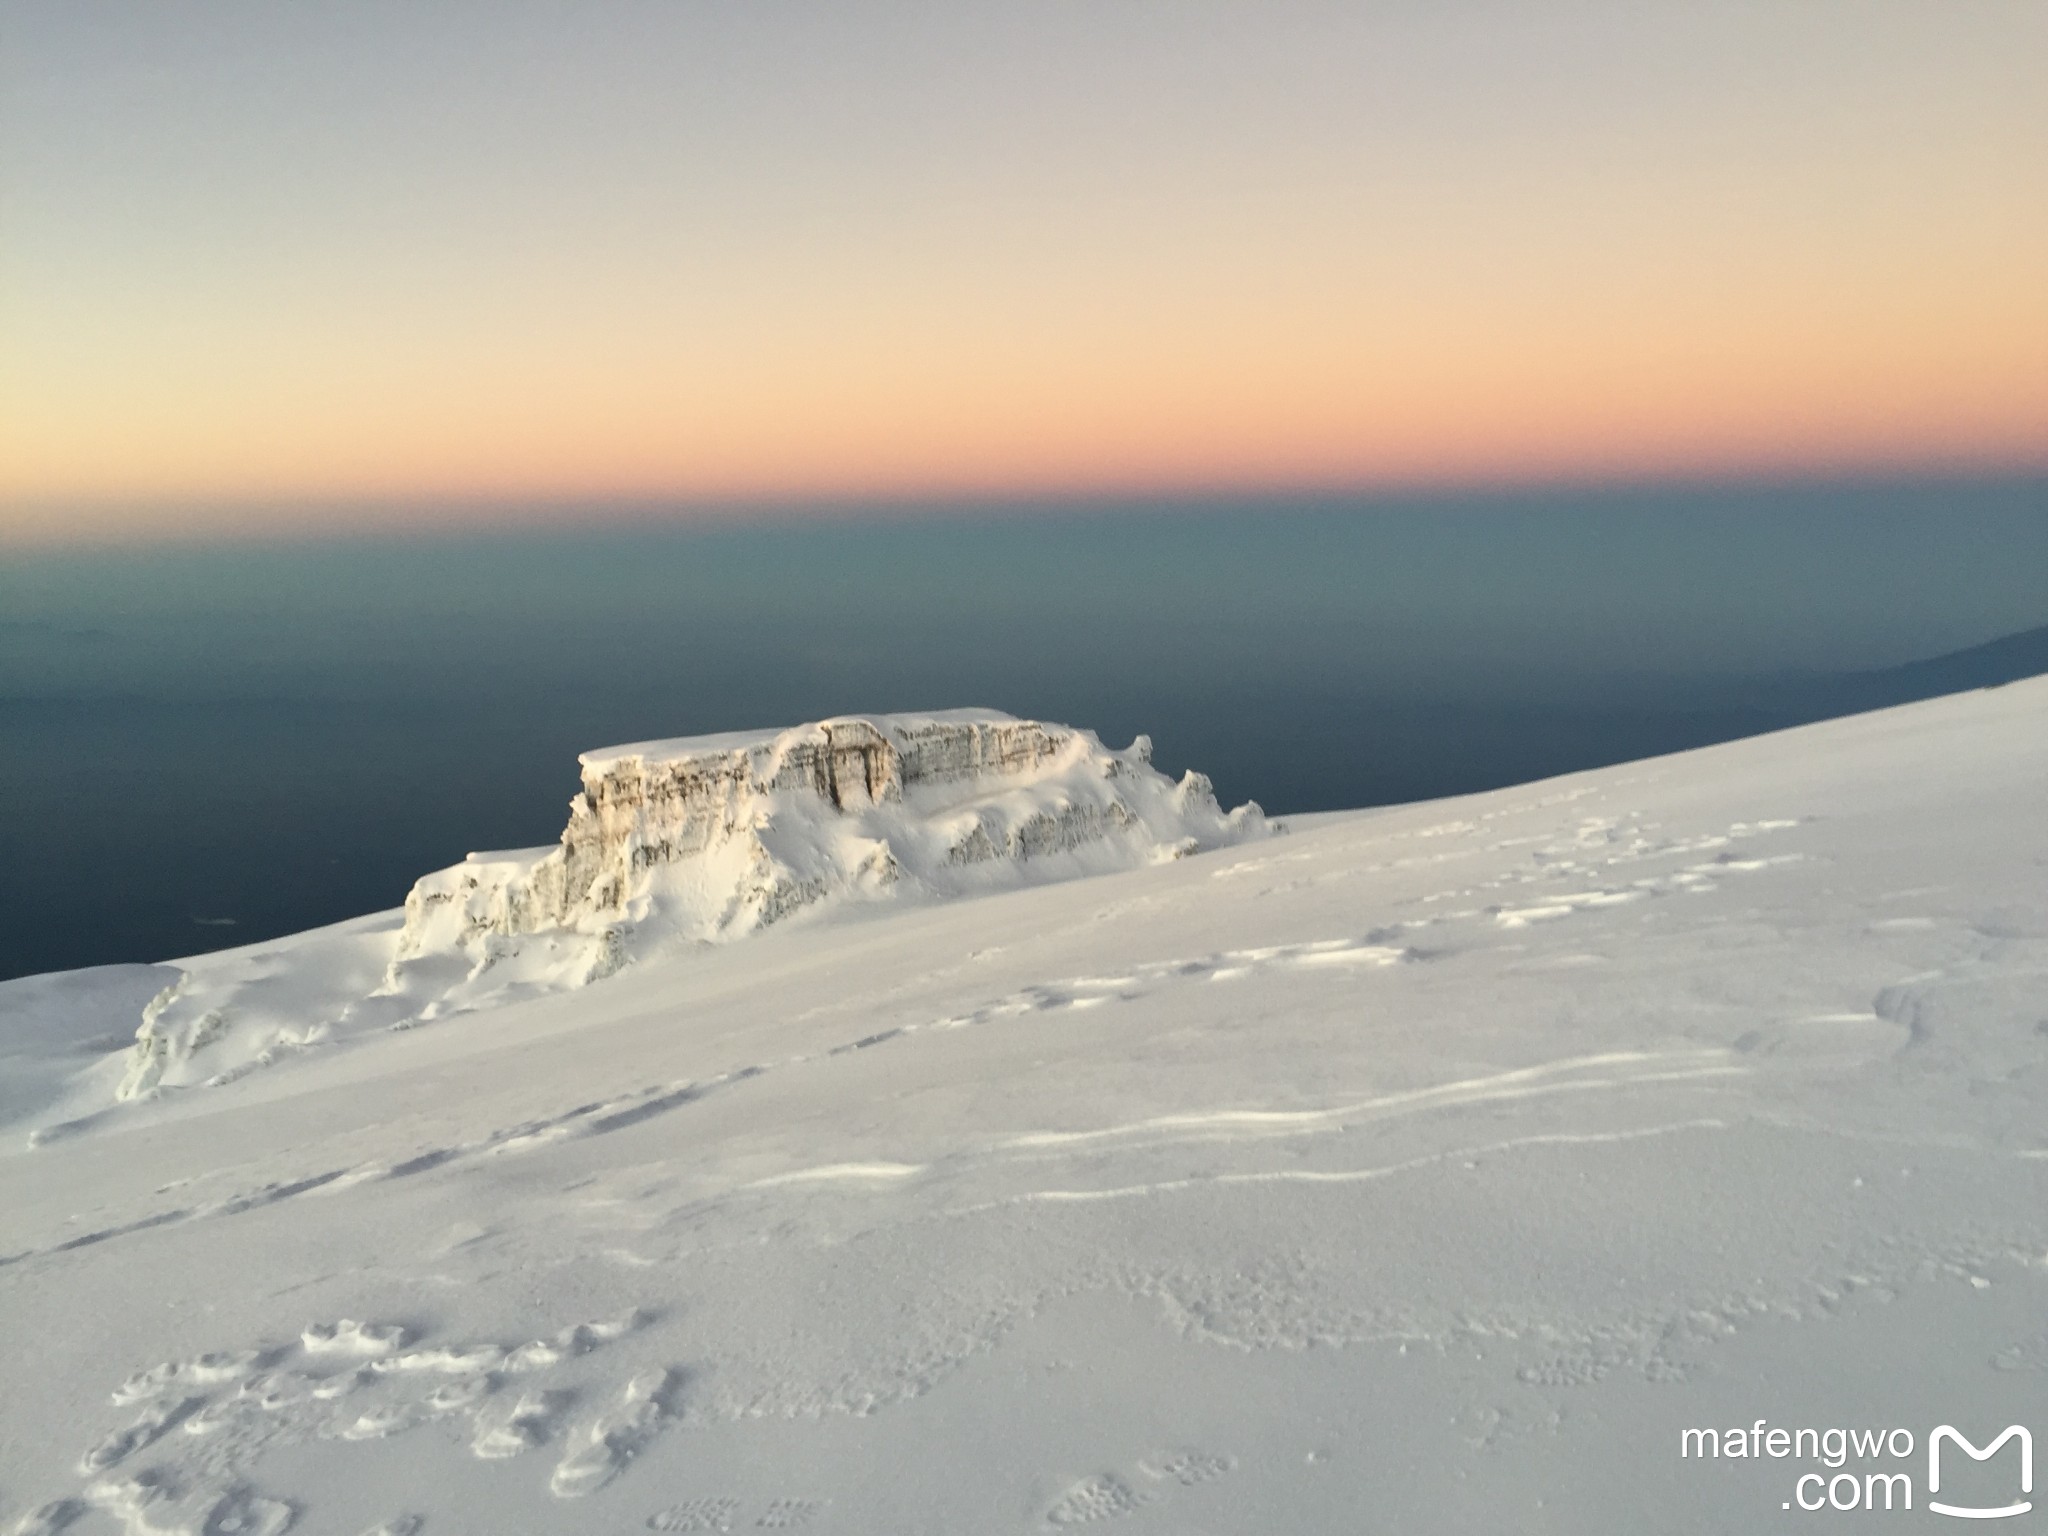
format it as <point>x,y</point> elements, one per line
<point>1990,665</point>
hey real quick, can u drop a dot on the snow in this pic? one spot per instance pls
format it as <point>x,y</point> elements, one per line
<point>62,1026</point>
<point>1431,1168</point>
<point>768,741</point>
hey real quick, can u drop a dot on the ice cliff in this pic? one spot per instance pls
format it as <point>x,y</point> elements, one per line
<point>694,840</point>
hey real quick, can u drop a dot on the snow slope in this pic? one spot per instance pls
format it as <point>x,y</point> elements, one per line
<point>1429,1169</point>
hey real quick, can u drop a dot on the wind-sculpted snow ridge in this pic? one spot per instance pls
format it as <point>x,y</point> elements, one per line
<point>700,839</point>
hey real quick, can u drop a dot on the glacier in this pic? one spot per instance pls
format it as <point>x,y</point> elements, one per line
<point>696,840</point>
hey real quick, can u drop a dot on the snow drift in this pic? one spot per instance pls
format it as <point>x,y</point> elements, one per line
<point>696,840</point>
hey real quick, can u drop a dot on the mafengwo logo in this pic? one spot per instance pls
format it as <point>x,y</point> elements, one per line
<point>1991,1480</point>
<point>1948,1434</point>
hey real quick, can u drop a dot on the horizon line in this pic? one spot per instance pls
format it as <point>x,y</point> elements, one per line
<point>431,515</point>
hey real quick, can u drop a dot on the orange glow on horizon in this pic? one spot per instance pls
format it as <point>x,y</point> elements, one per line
<point>1152,417</point>
<point>1682,245</point>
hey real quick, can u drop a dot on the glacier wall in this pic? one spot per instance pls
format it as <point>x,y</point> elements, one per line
<point>698,840</point>
<point>711,837</point>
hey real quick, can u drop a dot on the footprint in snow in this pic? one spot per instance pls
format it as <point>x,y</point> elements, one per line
<point>696,1515</point>
<point>599,1450</point>
<point>783,1513</point>
<point>1104,1496</point>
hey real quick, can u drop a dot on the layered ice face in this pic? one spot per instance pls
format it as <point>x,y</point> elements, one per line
<point>715,836</point>
<point>699,840</point>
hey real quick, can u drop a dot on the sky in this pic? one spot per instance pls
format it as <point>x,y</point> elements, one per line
<point>272,268</point>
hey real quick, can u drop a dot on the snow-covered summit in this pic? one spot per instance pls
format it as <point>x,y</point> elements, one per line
<point>708,837</point>
<point>703,839</point>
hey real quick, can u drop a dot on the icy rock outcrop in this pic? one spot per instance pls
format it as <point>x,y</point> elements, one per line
<point>704,839</point>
